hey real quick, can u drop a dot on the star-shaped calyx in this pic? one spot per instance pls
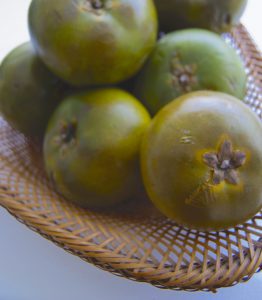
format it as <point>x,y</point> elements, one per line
<point>224,163</point>
<point>183,75</point>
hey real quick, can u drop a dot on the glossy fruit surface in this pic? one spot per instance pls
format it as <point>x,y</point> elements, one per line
<point>91,42</point>
<point>216,15</point>
<point>202,161</point>
<point>92,147</point>
<point>190,60</point>
<point>29,92</point>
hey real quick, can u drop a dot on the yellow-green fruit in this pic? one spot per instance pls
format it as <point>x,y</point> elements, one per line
<point>93,42</point>
<point>91,147</point>
<point>202,162</point>
<point>216,15</point>
<point>190,60</point>
<point>29,92</point>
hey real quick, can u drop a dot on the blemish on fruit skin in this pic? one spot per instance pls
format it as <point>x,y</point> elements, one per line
<point>58,15</point>
<point>203,196</point>
<point>187,139</point>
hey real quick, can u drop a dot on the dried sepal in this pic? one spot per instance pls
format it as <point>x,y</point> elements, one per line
<point>225,151</point>
<point>231,176</point>
<point>239,159</point>
<point>211,159</point>
<point>224,163</point>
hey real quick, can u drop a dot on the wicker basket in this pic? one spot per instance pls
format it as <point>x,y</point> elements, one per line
<point>139,244</point>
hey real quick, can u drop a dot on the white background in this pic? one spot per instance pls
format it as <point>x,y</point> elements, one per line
<point>32,268</point>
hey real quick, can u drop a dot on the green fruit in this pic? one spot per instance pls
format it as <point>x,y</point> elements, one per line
<point>190,60</point>
<point>216,15</point>
<point>28,91</point>
<point>91,42</point>
<point>202,164</point>
<point>91,147</point>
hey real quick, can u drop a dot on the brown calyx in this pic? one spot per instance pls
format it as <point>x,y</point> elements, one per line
<point>96,4</point>
<point>93,6</point>
<point>68,132</point>
<point>224,163</point>
<point>183,76</point>
<point>67,136</point>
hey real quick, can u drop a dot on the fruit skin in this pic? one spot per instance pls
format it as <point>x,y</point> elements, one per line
<point>219,16</point>
<point>92,144</point>
<point>186,61</point>
<point>89,46</point>
<point>29,92</point>
<point>175,174</point>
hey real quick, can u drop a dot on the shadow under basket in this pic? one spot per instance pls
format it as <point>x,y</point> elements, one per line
<point>138,244</point>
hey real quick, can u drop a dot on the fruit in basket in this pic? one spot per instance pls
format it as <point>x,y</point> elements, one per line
<point>202,164</point>
<point>190,60</point>
<point>93,42</point>
<point>91,147</point>
<point>216,15</point>
<point>29,92</point>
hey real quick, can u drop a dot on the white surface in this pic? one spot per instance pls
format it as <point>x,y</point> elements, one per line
<point>32,268</point>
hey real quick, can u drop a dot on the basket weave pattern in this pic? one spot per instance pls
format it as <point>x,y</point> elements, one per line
<point>139,244</point>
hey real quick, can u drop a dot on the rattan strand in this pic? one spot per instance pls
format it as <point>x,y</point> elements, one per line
<point>139,244</point>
